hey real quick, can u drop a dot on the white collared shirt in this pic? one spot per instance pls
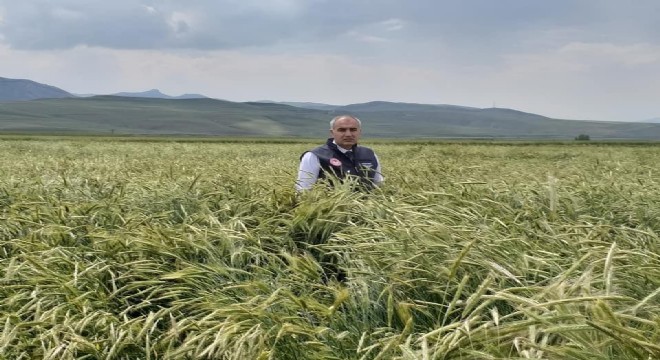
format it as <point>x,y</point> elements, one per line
<point>310,166</point>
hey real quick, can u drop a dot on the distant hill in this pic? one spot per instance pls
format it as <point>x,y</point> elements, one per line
<point>21,89</point>
<point>156,94</point>
<point>387,106</point>
<point>427,120</point>
<point>306,105</point>
<point>141,115</point>
<point>153,116</point>
<point>654,120</point>
<point>30,107</point>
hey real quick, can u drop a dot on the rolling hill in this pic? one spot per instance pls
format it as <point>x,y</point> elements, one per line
<point>134,115</point>
<point>30,107</point>
<point>21,89</point>
<point>156,94</point>
<point>306,105</point>
<point>204,116</point>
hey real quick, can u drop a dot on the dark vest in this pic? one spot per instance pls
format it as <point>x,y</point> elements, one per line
<point>335,163</point>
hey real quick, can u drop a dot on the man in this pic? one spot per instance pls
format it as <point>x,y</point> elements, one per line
<point>340,157</point>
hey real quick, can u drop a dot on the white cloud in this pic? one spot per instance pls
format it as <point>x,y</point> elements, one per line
<point>600,81</point>
<point>181,22</point>
<point>375,33</point>
<point>150,9</point>
<point>393,24</point>
<point>628,55</point>
<point>230,75</point>
<point>275,7</point>
<point>64,14</point>
<point>556,83</point>
<point>583,59</point>
<point>366,38</point>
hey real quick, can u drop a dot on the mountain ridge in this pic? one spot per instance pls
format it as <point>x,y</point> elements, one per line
<point>155,93</point>
<point>152,112</point>
<point>24,89</point>
<point>110,114</point>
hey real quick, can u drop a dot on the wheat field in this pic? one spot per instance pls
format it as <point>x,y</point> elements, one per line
<point>202,250</point>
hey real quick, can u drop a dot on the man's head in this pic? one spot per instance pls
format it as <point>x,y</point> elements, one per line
<point>346,130</point>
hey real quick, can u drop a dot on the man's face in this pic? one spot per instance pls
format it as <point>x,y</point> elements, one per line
<point>346,132</point>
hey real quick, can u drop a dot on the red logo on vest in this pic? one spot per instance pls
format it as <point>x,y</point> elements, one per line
<point>335,162</point>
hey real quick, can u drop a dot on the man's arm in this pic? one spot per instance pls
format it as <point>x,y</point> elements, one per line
<point>378,177</point>
<point>308,172</point>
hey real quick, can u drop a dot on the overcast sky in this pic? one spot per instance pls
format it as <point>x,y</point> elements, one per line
<point>572,59</point>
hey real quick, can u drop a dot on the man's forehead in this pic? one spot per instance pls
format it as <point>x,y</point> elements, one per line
<point>346,122</point>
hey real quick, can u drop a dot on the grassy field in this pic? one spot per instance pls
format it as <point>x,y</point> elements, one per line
<point>202,250</point>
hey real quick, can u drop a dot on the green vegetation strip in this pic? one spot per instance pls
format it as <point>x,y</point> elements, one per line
<point>177,250</point>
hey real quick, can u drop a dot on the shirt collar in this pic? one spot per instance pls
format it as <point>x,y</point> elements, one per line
<point>341,148</point>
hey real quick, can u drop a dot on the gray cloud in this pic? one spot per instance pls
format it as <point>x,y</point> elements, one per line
<point>64,24</point>
<point>222,24</point>
<point>564,58</point>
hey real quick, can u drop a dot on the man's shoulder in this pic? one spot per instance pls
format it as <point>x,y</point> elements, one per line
<point>321,149</point>
<point>317,151</point>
